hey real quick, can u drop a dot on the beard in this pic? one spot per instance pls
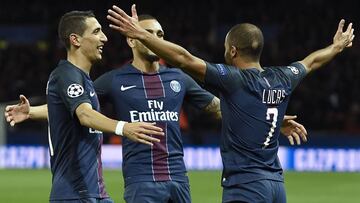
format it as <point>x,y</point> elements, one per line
<point>146,53</point>
<point>152,57</point>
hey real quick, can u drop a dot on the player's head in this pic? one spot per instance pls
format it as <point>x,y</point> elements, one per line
<point>245,41</point>
<point>152,25</point>
<point>81,32</point>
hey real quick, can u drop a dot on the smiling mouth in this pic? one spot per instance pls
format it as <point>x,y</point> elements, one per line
<point>100,48</point>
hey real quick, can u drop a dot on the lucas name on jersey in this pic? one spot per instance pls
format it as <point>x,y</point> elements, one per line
<point>273,96</point>
<point>155,113</point>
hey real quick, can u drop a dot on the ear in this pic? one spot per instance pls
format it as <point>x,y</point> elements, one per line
<point>233,51</point>
<point>130,42</point>
<point>75,40</point>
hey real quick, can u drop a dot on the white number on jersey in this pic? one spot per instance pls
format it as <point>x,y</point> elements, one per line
<point>274,113</point>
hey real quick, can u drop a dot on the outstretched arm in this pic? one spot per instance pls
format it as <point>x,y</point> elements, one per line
<point>170,52</point>
<point>138,131</point>
<point>22,111</point>
<point>341,41</point>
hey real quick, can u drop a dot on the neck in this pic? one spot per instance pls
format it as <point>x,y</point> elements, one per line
<point>145,65</point>
<point>248,64</point>
<point>80,61</point>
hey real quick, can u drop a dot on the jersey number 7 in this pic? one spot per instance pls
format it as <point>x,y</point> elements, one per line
<point>274,113</point>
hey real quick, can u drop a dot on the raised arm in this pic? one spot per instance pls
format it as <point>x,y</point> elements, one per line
<point>170,52</point>
<point>341,41</point>
<point>22,111</point>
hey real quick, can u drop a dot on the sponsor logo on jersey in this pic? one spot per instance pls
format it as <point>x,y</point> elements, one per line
<point>124,88</point>
<point>75,90</point>
<point>156,112</point>
<point>175,86</point>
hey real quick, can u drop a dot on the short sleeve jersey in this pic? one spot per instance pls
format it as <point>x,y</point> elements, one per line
<point>75,149</point>
<point>155,97</point>
<point>253,105</point>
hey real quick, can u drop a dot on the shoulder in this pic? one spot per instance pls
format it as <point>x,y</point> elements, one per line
<point>116,71</point>
<point>110,74</point>
<point>67,70</point>
<point>222,69</point>
<point>164,69</point>
<point>125,69</point>
<point>294,69</point>
<point>173,73</point>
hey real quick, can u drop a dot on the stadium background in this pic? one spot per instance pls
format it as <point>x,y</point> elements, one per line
<point>326,102</point>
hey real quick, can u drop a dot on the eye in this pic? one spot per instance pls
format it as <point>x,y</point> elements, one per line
<point>160,34</point>
<point>150,31</point>
<point>97,30</point>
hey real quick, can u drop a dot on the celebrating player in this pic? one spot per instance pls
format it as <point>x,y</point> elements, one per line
<point>75,124</point>
<point>253,101</point>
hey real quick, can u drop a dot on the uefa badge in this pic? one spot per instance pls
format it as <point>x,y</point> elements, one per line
<point>175,86</point>
<point>293,69</point>
<point>75,90</point>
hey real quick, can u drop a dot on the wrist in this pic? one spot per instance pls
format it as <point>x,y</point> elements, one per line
<point>31,114</point>
<point>144,35</point>
<point>119,130</point>
<point>336,48</point>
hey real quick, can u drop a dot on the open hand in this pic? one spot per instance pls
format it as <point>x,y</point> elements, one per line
<point>19,112</point>
<point>142,132</point>
<point>342,39</point>
<point>293,130</point>
<point>125,24</point>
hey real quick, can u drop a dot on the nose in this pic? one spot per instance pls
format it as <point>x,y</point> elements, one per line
<point>103,37</point>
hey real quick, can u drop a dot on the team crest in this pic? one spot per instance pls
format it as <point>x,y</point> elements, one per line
<point>293,69</point>
<point>75,90</point>
<point>175,86</point>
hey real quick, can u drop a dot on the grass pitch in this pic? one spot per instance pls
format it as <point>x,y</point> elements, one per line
<point>33,186</point>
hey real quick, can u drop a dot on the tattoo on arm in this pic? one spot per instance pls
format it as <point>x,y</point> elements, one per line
<point>214,108</point>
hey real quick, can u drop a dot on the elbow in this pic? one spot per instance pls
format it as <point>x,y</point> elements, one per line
<point>84,122</point>
<point>308,64</point>
<point>312,66</point>
<point>83,118</point>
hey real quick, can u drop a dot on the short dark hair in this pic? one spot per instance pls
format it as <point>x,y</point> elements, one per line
<point>146,17</point>
<point>73,22</point>
<point>248,39</point>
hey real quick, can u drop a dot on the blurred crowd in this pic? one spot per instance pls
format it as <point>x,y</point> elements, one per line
<point>327,100</point>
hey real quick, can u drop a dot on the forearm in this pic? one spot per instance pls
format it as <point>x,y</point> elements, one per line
<point>38,112</point>
<point>95,120</point>
<point>175,55</point>
<point>320,57</point>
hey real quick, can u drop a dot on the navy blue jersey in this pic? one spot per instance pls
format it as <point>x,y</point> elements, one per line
<point>156,97</point>
<point>253,105</point>
<point>75,149</point>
